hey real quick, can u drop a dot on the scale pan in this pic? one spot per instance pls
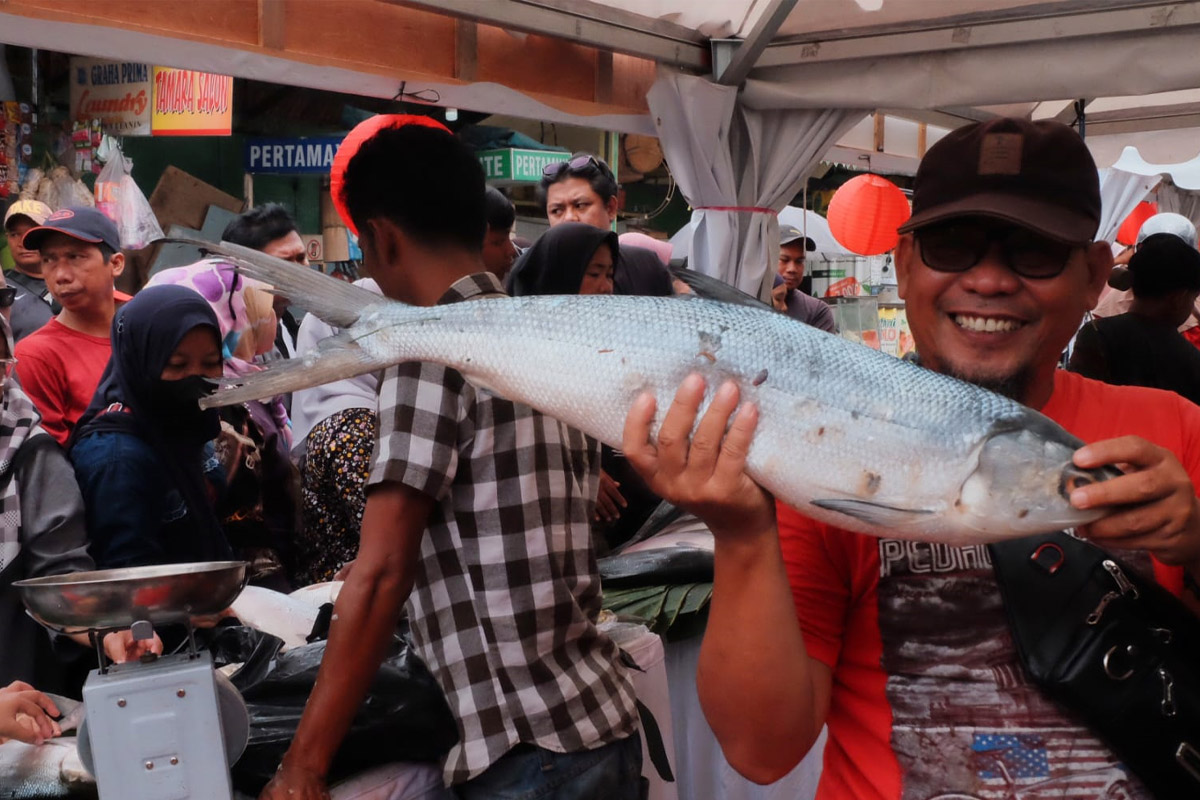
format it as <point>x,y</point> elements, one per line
<point>117,598</point>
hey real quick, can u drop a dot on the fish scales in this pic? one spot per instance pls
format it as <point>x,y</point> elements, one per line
<point>846,434</point>
<point>42,772</point>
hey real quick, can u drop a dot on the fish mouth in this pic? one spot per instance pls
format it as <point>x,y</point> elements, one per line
<point>979,324</point>
<point>1074,477</point>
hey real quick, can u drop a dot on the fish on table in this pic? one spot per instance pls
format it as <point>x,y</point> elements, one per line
<point>43,772</point>
<point>846,434</point>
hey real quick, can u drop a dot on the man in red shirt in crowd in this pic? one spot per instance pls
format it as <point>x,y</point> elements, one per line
<point>60,365</point>
<point>902,648</point>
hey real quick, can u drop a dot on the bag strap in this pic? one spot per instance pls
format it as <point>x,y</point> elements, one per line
<point>654,742</point>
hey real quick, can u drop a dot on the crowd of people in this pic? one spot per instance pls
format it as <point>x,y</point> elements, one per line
<point>482,518</point>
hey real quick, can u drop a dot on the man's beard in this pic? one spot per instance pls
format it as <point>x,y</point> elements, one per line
<point>1012,386</point>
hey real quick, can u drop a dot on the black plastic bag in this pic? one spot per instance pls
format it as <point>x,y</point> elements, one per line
<point>404,717</point>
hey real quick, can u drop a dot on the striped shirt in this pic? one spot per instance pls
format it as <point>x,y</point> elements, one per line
<point>507,593</point>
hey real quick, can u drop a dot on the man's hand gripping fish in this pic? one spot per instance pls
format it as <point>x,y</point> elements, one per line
<point>846,434</point>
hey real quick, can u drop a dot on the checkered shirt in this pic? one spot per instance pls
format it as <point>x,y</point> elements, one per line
<point>507,593</point>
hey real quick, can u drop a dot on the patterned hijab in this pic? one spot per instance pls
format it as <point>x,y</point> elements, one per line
<point>18,421</point>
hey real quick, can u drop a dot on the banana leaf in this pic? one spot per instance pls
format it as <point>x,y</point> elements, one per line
<point>674,612</point>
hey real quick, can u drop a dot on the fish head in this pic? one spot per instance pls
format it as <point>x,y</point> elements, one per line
<point>1023,479</point>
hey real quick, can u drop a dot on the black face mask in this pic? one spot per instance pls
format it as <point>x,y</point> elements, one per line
<point>182,395</point>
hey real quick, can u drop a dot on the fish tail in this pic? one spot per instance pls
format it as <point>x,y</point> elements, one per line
<point>339,303</point>
<point>336,358</point>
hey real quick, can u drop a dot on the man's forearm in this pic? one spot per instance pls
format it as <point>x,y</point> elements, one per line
<point>755,679</point>
<point>364,622</point>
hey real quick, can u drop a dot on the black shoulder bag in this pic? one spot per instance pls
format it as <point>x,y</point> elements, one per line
<point>1121,652</point>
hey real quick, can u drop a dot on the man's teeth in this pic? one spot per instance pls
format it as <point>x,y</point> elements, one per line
<point>986,324</point>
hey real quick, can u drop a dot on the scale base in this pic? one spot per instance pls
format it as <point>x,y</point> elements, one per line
<point>166,730</point>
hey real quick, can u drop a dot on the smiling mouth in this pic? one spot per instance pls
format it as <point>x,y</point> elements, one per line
<point>986,324</point>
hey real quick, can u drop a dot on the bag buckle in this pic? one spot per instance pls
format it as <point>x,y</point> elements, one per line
<point>1052,548</point>
<point>1111,666</point>
<point>1189,759</point>
<point>1168,701</point>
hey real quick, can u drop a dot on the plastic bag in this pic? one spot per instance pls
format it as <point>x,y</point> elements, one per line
<point>403,718</point>
<point>58,189</point>
<point>119,197</point>
<point>71,191</point>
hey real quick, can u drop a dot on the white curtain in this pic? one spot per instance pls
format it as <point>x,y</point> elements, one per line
<point>1179,201</point>
<point>725,157</point>
<point>1120,192</point>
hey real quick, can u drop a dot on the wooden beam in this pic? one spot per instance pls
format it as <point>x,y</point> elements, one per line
<point>387,41</point>
<point>877,142</point>
<point>271,34</point>
<point>922,138</point>
<point>584,22</point>
<point>466,50</point>
<point>604,77</point>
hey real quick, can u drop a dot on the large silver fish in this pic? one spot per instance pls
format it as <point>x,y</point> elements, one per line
<point>846,434</point>
<point>41,772</point>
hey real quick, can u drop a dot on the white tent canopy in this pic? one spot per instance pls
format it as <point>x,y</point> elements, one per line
<point>1120,69</point>
<point>944,62</point>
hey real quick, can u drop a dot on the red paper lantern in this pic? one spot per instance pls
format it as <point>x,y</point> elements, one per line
<point>1127,233</point>
<point>865,212</point>
<point>354,140</point>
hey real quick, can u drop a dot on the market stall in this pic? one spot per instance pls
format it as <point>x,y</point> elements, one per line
<point>741,121</point>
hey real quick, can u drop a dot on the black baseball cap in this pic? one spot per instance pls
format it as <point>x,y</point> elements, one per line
<point>1163,263</point>
<point>1039,175</point>
<point>84,224</point>
<point>790,233</point>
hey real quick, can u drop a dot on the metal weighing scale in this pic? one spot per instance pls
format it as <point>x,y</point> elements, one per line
<point>165,727</point>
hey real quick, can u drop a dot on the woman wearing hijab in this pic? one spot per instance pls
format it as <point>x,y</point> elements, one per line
<point>258,509</point>
<point>138,450</point>
<point>570,258</point>
<point>574,258</point>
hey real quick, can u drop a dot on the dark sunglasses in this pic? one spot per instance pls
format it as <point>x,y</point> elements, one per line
<point>573,165</point>
<point>959,246</point>
<point>7,295</point>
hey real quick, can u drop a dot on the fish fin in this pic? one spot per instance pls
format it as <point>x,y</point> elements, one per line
<point>663,515</point>
<point>339,303</point>
<point>712,288</point>
<point>335,359</point>
<point>875,513</point>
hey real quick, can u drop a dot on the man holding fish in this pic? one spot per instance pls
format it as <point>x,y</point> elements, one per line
<point>901,648</point>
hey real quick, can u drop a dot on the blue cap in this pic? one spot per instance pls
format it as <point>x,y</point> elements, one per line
<point>85,224</point>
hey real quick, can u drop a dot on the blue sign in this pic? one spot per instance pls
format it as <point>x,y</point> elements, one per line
<point>309,156</point>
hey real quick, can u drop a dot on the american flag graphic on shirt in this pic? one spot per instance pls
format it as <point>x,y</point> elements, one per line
<point>1062,763</point>
<point>966,722</point>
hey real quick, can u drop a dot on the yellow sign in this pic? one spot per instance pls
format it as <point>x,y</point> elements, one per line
<point>190,103</point>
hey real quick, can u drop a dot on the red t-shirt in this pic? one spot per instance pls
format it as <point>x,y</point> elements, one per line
<point>60,368</point>
<point>928,695</point>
